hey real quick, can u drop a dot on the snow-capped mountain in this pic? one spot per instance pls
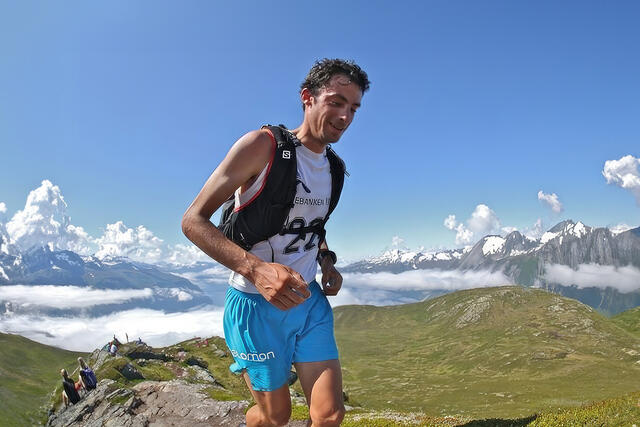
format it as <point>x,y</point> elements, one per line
<point>524,260</point>
<point>398,260</point>
<point>42,266</point>
<point>567,243</point>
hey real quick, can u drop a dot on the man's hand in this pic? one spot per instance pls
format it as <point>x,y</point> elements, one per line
<point>280,285</point>
<point>331,278</point>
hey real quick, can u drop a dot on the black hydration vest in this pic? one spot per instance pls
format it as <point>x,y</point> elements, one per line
<point>265,215</point>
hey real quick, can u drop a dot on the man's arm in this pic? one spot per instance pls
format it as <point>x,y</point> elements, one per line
<point>331,278</point>
<point>279,284</point>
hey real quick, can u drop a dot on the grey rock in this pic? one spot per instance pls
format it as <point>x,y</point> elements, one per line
<point>196,361</point>
<point>201,374</point>
<point>220,353</point>
<point>143,351</point>
<point>150,403</point>
<point>131,373</point>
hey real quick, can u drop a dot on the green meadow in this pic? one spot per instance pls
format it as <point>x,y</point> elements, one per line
<point>507,356</point>
<point>29,372</point>
<point>505,352</point>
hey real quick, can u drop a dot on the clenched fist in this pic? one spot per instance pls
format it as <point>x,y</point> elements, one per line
<point>280,285</point>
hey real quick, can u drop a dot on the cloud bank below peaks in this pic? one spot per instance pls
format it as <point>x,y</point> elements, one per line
<point>624,279</point>
<point>63,297</point>
<point>385,288</point>
<point>155,327</point>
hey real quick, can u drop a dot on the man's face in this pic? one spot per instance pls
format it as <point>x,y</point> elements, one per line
<point>331,110</point>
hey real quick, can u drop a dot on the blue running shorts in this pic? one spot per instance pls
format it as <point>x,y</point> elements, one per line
<point>265,340</point>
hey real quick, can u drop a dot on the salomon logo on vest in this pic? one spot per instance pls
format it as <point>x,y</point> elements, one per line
<point>254,357</point>
<point>286,154</point>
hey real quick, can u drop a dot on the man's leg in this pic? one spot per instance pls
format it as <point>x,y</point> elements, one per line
<point>273,408</point>
<point>322,386</point>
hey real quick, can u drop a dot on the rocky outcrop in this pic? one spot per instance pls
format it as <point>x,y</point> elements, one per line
<point>131,373</point>
<point>143,351</point>
<point>150,403</point>
<point>146,386</point>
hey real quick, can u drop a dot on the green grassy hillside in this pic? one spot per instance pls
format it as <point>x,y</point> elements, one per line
<point>629,320</point>
<point>29,371</point>
<point>496,352</point>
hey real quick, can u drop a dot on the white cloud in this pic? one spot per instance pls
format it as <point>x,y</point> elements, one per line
<point>620,228</point>
<point>155,327</point>
<point>64,297</point>
<point>410,286</point>
<point>551,200</point>
<point>216,275</point>
<point>360,296</point>
<point>536,231</point>
<point>464,236</point>
<point>450,222</point>
<point>426,280</point>
<point>625,279</point>
<point>138,243</point>
<point>5,245</point>
<point>397,242</point>
<point>186,255</point>
<point>624,173</point>
<point>44,222</point>
<point>483,221</point>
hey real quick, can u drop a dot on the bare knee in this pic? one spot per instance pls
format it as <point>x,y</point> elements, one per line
<point>278,417</point>
<point>328,416</point>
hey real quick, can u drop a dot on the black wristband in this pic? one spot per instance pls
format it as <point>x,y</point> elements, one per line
<point>326,252</point>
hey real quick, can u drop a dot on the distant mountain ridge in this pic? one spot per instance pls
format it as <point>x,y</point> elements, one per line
<point>42,266</point>
<point>523,260</point>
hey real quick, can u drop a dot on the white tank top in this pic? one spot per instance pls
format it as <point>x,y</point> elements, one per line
<point>311,203</point>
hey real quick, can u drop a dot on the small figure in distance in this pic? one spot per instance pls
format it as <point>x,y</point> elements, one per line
<point>69,392</point>
<point>87,376</point>
<point>113,349</point>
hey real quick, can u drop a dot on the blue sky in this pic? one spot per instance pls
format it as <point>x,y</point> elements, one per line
<point>129,107</point>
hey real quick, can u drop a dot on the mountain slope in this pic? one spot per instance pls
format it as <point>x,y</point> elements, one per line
<point>507,351</point>
<point>28,372</point>
<point>629,320</point>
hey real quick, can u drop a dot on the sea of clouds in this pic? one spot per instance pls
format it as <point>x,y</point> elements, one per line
<point>44,221</point>
<point>158,328</point>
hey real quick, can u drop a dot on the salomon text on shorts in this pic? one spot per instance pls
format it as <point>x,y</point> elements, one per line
<point>265,340</point>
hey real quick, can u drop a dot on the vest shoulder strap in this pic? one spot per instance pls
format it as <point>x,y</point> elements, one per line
<point>338,171</point>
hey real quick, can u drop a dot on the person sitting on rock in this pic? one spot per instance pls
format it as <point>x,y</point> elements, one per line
<point>79,386</point>
<point>69,392</point>
<point>113,349</point>
<point>87,376</point>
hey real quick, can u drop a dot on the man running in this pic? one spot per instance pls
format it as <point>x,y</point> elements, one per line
<point>271,238</point>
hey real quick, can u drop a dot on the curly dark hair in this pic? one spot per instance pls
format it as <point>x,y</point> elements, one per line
<point>324,69</point>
